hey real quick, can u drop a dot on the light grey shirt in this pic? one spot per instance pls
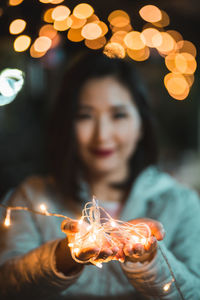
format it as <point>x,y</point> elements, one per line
<point>27,247</point>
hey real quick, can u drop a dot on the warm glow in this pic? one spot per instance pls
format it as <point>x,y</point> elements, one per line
<point>42,44</point>
<point>63,25</point>
<point>168,43</point>
<point>7,219</point>
<point>133,40</point>
<point>186,46</point>
<point>96,44</point>
<point>164,20</point>
<point>185,63</point>
<point>22,43</point>
<point>76,22</point>
<point>93,18</point>
<point>190,79</point>
<point>151,37</point>
<point>175,34</point>
<point>43,208</point>
<point>15,2</point>
<point>47,30</point>
<point>177,86</point>
<point>139,55</point>
<point>36,54</point>
<point>17,26</point>
<point>166,287</point>
<point>83,11</point>
<point>74,35</point>
<point>119,18</point>
<point>48,15</point>
<point>91,31</point>
<point>56,1</point>
<point>60,12</point>
<point>113,50</point>
<point>150,13</point>
<point>45,1</point>
<point>104,27</point>
<point>118,37</point>
<point>126,28</point>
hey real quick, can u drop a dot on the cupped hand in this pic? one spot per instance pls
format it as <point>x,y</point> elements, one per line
<point>98,254</point>
<point>141,252</point>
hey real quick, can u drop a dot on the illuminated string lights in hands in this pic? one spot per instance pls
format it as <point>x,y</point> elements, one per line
<point>98,238</point>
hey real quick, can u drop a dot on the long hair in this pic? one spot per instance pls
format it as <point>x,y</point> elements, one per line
<point>62,146</point>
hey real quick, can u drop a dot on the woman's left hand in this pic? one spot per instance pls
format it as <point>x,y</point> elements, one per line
<point>140,253</point>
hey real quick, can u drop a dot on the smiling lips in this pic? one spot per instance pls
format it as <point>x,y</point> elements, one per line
<point>102,153</point>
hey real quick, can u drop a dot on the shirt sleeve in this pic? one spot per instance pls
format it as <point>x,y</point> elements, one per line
<point>27,266</point>
<point>173,273</point>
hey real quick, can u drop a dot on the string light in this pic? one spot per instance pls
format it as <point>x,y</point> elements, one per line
<point>93,229</point>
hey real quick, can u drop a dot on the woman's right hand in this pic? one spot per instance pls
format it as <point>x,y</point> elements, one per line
<point>71,227</point>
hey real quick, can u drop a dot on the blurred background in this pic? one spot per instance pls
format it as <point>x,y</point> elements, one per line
<point>160,37</point>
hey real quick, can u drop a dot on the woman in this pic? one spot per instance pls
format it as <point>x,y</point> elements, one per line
<point>102,143</point>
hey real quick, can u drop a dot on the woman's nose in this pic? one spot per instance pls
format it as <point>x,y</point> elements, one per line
<point>103,130</point>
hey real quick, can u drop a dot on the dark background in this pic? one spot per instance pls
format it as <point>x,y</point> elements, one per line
<point>22,123</point>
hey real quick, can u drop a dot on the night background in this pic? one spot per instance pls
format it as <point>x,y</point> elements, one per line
<point>23,122</point>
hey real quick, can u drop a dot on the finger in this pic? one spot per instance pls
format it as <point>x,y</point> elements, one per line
<point>151,245</point>
<point>87,253</point>
<point>70,226</point>
<point>138,250</point>
<point>157,230</point>
<point>105,253</point>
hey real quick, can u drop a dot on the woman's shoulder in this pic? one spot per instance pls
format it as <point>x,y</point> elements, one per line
<point>31,189</point>
<point>154,183</point>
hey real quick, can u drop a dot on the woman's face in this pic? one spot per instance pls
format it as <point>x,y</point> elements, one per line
<point>108,126</point>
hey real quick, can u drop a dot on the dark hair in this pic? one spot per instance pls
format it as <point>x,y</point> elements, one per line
<point>62,152</point>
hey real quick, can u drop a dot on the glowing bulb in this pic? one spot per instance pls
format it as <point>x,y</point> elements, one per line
<point>99,265</point>
<point>76,250</point>
<point>92,238</point>
<point>70,244</point>
<point>143,241</point>
<point>113,224</point>
<point>7,219</point>
<point>166,287</point>
<point>43,208</point>
<point>80,222</point>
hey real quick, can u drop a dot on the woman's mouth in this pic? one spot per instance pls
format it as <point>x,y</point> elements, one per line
<point>102,152</point>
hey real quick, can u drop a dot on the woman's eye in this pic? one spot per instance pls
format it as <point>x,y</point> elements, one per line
<point>120,115</point>
<point>83,116</point>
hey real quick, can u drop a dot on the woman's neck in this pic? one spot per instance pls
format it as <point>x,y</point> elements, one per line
<point>103,186</point>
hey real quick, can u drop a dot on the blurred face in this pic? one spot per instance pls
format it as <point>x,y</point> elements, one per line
<point>108,126</point>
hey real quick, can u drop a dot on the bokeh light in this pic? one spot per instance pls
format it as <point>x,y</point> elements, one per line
<point>36,54</point>
<point>151,37</point>
<point>48,30</point>
<point>56,1</point>
<point>113,50</point>
<point>42,44</point>
<point>75,35</point>
<point>96,44</point>
<point>47,17</point>
<point>91,31</point>
<point>119,18</point>
<point>60,13</point>
<point>17,26</point>
<point>133,40</point>
<point>186,46</point>
<point>139,55</point>
<point>21,43</point>
<point>176,35</point>
<point>15,2</point>
<point>83,11</point>
<point>150,13</point>
<point>62,25</point>
<point>118,37</point>
<point>168,44</point>
<point>177,86</point>
<point>76,22</point>
<point>165,20</point>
